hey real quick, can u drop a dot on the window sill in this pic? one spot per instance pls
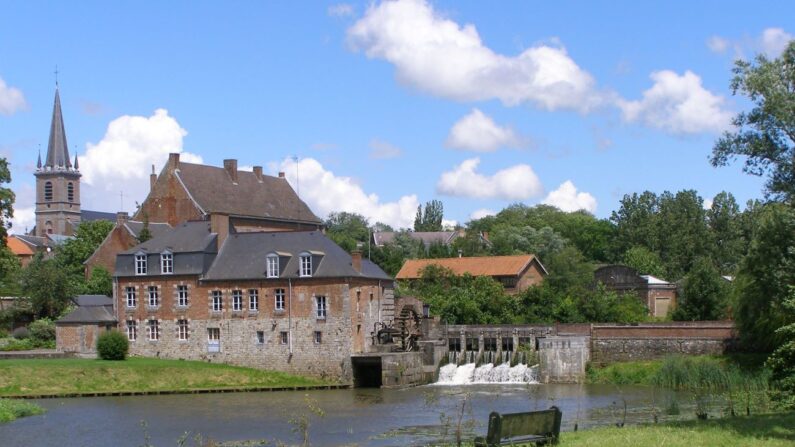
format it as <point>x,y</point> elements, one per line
<point>130,309</point>
<point>152,308</point>
<point>278,312</point>
<point>253,313</point>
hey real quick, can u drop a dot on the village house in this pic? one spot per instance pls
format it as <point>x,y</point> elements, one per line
<point>124,235</point>
<point>78,331</point>
<point>290,301</point>
<point>515,273</point>
<point>658,295</point>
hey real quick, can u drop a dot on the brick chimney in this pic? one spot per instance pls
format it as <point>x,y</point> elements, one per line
<point>152,179</point>
<point>281,174</point>
<point>122,217</point>
<point>356,260</point>
<point>258,173</point>
<point>230,165</point>
<point>219,224</point>
<point>173,160</point>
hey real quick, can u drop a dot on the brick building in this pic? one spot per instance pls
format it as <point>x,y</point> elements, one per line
<point>658,295</point>
<point>79,330</point>
<point>122,237</point>
<point>290,301</point>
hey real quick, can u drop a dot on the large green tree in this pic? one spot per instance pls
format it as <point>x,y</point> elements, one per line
<point>764,137</point>
<point>728,244</point>
<point>705,294</point>
<point>6,201</point>
<point>429,219</point>
<point>46,287</point>
<point>347,229</point>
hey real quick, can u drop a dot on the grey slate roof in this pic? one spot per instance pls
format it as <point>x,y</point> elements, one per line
<point>214,191</point>
<point>34,241</point>
<point>193,236</point>
<point>89,314</point>
<point>135,227</point>
<point>243,257</point>
<point>93,300</point>
<point>57,148</point>
<point>90,216</point>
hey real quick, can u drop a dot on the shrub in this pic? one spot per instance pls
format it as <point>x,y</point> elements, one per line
<point>20,333</point>
<point>42,330</point>
<point>112,345</point>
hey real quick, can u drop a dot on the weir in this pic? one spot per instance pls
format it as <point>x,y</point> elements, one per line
<point>452,374</point>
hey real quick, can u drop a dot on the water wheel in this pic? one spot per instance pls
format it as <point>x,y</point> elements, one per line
<point>408,327</point>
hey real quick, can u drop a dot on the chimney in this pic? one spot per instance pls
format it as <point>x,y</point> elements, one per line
<point>230,164</point>
<point>173,160</point>
<point>122,217</point>
<point>356,260</point>
<point>281,174</point>
<point>258,173</point>
<point>152,179</point>
<point>219,224</point>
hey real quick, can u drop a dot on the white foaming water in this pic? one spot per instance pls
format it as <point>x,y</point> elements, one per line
<point>452,374</point>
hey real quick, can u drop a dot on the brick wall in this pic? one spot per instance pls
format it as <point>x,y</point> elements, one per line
<point>79,338</point>
<point>118,240</point>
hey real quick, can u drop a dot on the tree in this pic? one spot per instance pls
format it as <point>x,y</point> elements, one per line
<point>704,294</point>
<point>782,361</point>
<point>764,137</point>
<point>347,229</point>
<point>645,261</point>
<point>431,218</point>
<point>145,233</point>
<point>682,235</point>
<point>88,236</point>
<point>510,240</point>
<point>723,219</point>
<point>6,201</point>
<point>46,287</point>
<point>100,283</point>
<point>636,222</point>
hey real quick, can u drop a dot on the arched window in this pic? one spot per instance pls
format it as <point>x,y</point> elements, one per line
<point>48,227</point>
<point>70,192</point>
<point>48,191</point>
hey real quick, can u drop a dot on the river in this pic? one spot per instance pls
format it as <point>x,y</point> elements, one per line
<point>367,417</point>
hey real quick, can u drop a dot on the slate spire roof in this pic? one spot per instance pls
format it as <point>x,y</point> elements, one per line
<point>57,148</point>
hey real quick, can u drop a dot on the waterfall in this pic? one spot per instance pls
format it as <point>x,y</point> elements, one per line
<point>452,374</point>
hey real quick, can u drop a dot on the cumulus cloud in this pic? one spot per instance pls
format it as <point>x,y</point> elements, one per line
<point>678,104</point>
<point>774,41</point>
<point>481,213</point>
<point>340,10</point>
<point>24,208</point>
<point>326,192</point>
<point>11,99</point>
<point>449,224</point>
<point>478,132</point>
<point>122,160</point>
<point>381,150</point>
<point>718,44</point>
<point>515,183</point>
<point>566,198</point>
<point>438,56</point>
<point>707,205</point>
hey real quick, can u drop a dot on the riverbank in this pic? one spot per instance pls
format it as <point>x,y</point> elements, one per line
<point>12,409</point>
<point>77,377</point>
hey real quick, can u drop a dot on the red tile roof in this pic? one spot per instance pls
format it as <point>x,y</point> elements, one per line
<point>475,266</point>
<point>18,247</point>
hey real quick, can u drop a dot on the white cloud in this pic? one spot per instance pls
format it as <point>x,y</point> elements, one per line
<point>566,198</point>
<point>481,213</point>
<point>449,225</point>
<point>326,192</point>
<point>478,132</point>
<point>123,159</point>
<point>707,205</point>
<point>717,44</point>
<point>384,150</point>
<point>437,55</point>
<point>774,41</point>
<point>11,99</point>
<point>515,183</point>
<point>340,10</point>
<point>24,220</point>
<point>679,105</point>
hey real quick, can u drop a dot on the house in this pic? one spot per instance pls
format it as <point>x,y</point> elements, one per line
<point>21,249</point>
<point>290,301</point>
<point>658,295</point>
<point>124,235</point>
<point>79,330</point>
<point>515,273</point>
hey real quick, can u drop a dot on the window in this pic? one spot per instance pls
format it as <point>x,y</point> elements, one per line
<point>132,330</point>
<point>153,330</point>
<point>279,299</point>
<point>320,306</point>
<point>182,296</point>
<point>306,265</point>
<point>213,339</point>
<point>182,330</point>
<point>154,297</point>
<point>48,191</point>
<point>140,264</point>
<point>217,301</point>
<point>131,298</point>
<point>490,344</point>
<point>284,337</point>
<point>508,282</point>
<point>253,300</point>
<point>70,192</point>
<point>318,337</point>
<point>166,263</point>
<point>507,344</point>
<point>237,300</point>
<point>272,270</point>
<point>454,344</point>
<point>260,337</point>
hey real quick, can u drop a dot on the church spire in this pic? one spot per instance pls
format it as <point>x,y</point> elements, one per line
<point>38,163</point>
<point>77,167</point>
<point>57,150</point>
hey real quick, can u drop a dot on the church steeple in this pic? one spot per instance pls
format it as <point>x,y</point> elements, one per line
<point>57,149</point>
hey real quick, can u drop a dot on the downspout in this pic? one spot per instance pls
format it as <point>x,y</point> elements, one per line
<point>379,300</point>
<point>290,315</point>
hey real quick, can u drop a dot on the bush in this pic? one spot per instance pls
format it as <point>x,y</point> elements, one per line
<point>20,333</point>
<point>112,345</point>
<point>42,330</point>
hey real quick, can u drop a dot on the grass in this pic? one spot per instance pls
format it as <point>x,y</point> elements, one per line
<point>766,430</point>
<point>11,409</point>
<point>67,376</point>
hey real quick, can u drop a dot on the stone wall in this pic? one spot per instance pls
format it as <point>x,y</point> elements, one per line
<point>401,369</point>
<point>562,359</point>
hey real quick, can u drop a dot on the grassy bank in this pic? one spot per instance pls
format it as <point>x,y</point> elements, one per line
<point>651,372</point>
<point>11,409</point>
<point>767,430</point>
<point>66,376</point>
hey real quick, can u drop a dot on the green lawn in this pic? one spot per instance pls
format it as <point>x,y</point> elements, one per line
<point>11,409</point>
<point>66,376</point>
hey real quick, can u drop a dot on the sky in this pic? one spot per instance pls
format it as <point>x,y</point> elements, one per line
<point>378,107</point>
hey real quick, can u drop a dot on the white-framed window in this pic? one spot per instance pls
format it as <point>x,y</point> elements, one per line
<point>213,339</point>
<point>272,264</point>
<point>140,264</point>
<point>284,337</point>
<point>182,330</point>
<point>278,298</point>
<point>237,300</point>
<point>166,263</point>
<point>129,293</point>
<point>153,330</point>
<point>318,337</point>
<point>154,296</point>
<point>320,306</point>
<point>182,296</point>
<point>305,268</point>
<point>253,300</point>
<point>218,301</point>
<point>260,337</point>
<point>132,330</point>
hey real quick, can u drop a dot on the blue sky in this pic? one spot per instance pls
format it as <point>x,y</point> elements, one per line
<point>377,107</point>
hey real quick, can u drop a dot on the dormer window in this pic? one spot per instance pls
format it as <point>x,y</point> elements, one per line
<point>140,264</point>
<point>272,264</point>
<point>166,263</point>
<point>305,267</point>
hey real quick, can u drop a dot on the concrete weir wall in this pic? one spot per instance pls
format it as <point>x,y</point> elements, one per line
<point>562,359</point>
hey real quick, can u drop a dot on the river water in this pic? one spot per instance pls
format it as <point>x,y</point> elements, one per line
<point>367,417</point>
